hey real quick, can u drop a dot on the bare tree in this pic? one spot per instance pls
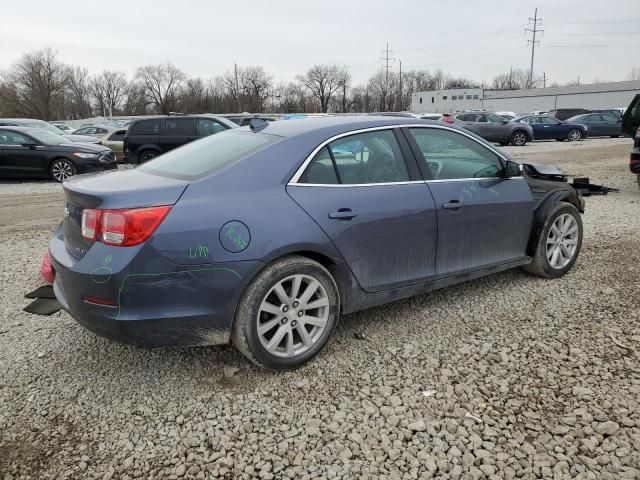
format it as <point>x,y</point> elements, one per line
<point>108,89</point>
<point>322,81</point>
<point>79,95</point>
<point>256,84</point>
<point>135,102</point>
<point>35,85</point>
<point>344,83</point>
<point>162,85</point>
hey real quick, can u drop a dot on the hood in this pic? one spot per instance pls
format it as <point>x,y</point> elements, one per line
<point>84,147</point>
<point>81,138</point>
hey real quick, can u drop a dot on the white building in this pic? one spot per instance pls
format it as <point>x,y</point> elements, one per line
<point>590,96</point>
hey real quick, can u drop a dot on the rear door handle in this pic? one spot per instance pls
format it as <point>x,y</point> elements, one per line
<point>343,214</point>
<point>452,205</point>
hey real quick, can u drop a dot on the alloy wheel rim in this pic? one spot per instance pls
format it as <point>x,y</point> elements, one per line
<point>61,171</point>
<point>562,241</point>
<point>519,139</point>
<point>293,316</point>
<point>574,135</point>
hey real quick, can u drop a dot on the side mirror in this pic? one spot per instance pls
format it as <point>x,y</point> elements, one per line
<point>512,169</point>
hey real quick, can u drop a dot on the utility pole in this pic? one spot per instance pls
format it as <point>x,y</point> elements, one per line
<point>235,67</point>
<point>535,30</point>
<point>401,96</point>
<point>386,59</point>
<point>544,79</point>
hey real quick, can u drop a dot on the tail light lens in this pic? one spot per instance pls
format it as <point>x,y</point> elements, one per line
<point>447,119</point>
<point>122,228</point>
<point>46,269</point>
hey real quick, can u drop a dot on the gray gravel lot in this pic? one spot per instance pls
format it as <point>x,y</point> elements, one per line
<point>509,376</point>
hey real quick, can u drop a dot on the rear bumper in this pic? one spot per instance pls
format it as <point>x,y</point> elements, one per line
<point>154,302</point>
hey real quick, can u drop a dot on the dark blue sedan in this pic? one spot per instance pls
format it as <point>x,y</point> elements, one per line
<point>550,128</point>
<point>265,235</point>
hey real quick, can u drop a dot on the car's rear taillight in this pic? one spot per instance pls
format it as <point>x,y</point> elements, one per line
<point>447,119</point>
<point>46,269</point>
<point>123,228</point>
<point>90,223</point>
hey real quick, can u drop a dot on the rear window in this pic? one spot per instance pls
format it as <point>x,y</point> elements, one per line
<point>146,127</point>
<point>208,155</point>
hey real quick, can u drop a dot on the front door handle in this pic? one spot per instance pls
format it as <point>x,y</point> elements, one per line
<point>452,205</point>
<point>343,214</point>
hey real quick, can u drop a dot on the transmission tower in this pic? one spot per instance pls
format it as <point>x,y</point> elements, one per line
<point>534,23</point>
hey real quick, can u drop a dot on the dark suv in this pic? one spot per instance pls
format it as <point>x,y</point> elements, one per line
<point>630,124</point>
<point>149,137</point>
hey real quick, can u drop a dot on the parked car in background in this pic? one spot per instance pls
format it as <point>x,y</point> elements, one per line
<point>242,236</point>
<point>631,126</point>
<point>549,128</point>
<point>430,116</point>
<point>97,131</point>
<point>41,124</point>
<point>494,128</point>
<point>146,138</point>
<point>600,124</point>
<point>243,120</point>
<point>35,153</point>
<point>63,127</point>
<point>564,113</point>
<point>114,139</point>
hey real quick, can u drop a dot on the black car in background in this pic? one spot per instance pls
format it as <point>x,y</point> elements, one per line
<point>550,128</point>
<point>35,153</point>
<point>631,124</point>
<point>565,113</point>
<point>600,124</point>
<point>146,138</point>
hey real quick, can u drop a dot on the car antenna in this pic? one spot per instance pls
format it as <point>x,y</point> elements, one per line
<point>257,124</point>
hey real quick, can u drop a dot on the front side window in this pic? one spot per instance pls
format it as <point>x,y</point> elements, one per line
<point>208,126</point>
<point>146,127</point>
<point>363,158</point>
<point>529,120</point>
<point>8,137</point>
<point>493,118</point>
<point>548,121</point>
<point>179,126</point>
<point>208,155</point>
<point>450,155</point>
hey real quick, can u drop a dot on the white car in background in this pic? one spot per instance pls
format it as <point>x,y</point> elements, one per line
<point>64,127</point>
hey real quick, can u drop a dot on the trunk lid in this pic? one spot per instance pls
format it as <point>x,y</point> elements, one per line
<point>112,190</point>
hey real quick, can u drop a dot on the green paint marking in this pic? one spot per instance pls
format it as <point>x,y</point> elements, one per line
<point>199,251</point>
<point>122,285</point>
<point>236,238</point>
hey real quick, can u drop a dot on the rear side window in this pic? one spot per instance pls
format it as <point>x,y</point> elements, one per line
<point>179,126</point>
<point>8,137</point>
<point>146,127</point>
<point>117,136</point>
<point>363,158</point>
<point>208,155</point>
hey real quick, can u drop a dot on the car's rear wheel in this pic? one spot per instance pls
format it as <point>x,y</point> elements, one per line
<point>518,139</point>
<point>574,135</point>
<point>559,242</point>
<point>61,169</point>
<point>147,155</point>
<point>287,314</point>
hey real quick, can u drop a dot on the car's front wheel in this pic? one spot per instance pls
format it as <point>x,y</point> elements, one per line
<point>574,135</point>
<point>559,242</point>
<point>147,155</point>
<point>287,314</point>
<point>518,139</point>
<point>61,169</point>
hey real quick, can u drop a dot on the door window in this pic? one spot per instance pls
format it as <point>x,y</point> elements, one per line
<point>364,158</point>
<point>179,126</point>
<point>492,118</point>
<point>549,121</point>
<point>208,126</point>
<point>609,118</point>
<point>146,127</point>
<point>450,155</point>
<point>13,138</point>
<point>117,136</point>
<point>529,120</point>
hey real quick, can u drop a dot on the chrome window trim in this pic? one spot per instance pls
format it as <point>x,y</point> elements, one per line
<point>298,173</point>
<point>343,185</point>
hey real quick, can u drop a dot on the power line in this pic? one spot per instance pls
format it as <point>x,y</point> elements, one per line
<point>536,21</point>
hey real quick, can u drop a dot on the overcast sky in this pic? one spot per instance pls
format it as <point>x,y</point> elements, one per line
<point>476,39</point>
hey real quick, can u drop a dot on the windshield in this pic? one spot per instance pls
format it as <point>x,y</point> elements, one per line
<point>47,138</point>
<point>208,154</point>
<point>43,126</point>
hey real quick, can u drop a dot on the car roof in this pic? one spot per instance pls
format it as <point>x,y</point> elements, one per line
<point>19,129</point>
<point>330,126</point>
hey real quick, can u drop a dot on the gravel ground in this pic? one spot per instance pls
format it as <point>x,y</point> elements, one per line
<point>509,376</point>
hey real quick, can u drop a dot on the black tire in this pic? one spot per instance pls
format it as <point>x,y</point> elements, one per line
<point>61,169</point>
<point>574,135</point>
<point>244,333</point>
<point>147,155</point>
<point>518,138</point>
<point>540,265</point>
